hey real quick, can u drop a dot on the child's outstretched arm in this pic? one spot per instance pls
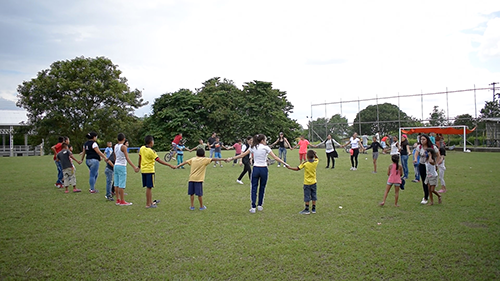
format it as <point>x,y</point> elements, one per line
<point>180,165</point>
<point>166,164</point>
<point>239,156</point>
<point>220,159</point>
<point>292,168</point>
<point>77,161</point>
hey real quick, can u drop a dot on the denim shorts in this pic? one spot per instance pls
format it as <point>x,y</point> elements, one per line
<point>310,192</point>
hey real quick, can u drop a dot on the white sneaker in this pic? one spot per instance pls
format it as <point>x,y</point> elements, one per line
<point>260,208</point>
<point>423,201</point>
<point>221,165</point>
<point>352,168</point>
<point>238,181</point>
<point>252,210</point>
<point>215,166</point>
<point>278,165</point>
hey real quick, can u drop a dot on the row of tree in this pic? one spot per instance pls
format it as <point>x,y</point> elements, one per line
<point>76,96</point>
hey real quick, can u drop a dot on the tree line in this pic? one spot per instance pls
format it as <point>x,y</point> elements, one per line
<point>76,96</point>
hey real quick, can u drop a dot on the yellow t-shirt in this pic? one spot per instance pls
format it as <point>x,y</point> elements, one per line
<point>198,168</point>
<point>148,158</point>
<point>309,171</point>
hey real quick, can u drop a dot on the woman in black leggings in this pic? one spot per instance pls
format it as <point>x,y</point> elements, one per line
<point>246,161</point>
<point>355,143</point>
<point>331,153</point>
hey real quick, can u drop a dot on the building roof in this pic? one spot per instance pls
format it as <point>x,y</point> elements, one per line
<point>493,119</point>
<point>12,117</point>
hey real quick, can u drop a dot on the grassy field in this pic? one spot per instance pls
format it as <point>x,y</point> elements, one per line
<point>47,234</point>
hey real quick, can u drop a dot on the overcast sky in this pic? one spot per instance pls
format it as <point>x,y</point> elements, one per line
<point>316,51</point>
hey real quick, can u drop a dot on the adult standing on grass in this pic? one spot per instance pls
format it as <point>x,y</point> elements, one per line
<point>210,143</point>
<point>260,173</point>
<point>91,150</point>
<point>56,149</point>
<point>331,153</point>
<point>405,149</point>
<point>282,145</point>
<point>355,147</point>
<point>425,143</point>
<point>246,161</point>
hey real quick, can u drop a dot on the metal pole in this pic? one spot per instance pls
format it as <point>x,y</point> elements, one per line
<point>399,117</point>
<point>422,104</point>
<point>11,140</point>
<point>475,113</point>
<point>378,120</point>
<point>359,119</point>
<point>447,108</point>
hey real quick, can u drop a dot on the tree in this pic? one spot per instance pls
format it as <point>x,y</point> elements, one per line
<point>385,118</point>
<point>76,96</point>
<point>174,113</point>
<point>219,106</point>
<point>491,109</point>
<point>437,117</point>
<point>337,126</point>
<point>266,111</point>
<point>464,119</point>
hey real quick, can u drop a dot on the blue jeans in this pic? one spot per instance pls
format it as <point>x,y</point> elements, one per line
<point>417,172</point>
<point>109,181</point>
<point>212,150</point>
<point>93,165</point>
<point>282,153</point>
<point>59,173</point>
<point>180,158</point>
<point>404,163</point>
<point>259,174</point>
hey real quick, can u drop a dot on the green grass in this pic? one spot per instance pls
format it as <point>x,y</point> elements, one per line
<point>46,234</point>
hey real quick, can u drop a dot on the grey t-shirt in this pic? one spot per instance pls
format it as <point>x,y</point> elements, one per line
<point>64,158</point>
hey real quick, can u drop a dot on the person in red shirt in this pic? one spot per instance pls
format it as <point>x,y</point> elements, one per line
<point>56,149</point>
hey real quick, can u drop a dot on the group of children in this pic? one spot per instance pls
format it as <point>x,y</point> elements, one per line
<point>117,159</point>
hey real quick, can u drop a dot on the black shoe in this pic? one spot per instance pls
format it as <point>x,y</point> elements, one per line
<point>333,167</point>
<point>326,167</point>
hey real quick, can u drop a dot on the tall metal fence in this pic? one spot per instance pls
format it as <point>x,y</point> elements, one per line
<point>424,102</point>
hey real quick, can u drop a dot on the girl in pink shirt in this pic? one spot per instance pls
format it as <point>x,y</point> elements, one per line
<point>303,144</point>
<point>394,172</point>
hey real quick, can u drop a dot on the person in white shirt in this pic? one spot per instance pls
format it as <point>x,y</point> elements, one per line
<point>355,143</point>
<point>331,153</point>
<point>260,173</point>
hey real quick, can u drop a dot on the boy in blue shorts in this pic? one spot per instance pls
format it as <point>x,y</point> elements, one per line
<point>197,175</point>
<point>147,158</point>
<point>310,187</point>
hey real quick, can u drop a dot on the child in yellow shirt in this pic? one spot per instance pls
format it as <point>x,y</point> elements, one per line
<point>197,175</point>
<point>310,187</point>
<point>147,158</point>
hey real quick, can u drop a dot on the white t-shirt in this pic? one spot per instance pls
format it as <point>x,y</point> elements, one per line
<point>394,148</point>
<point>260,153</point>
<point>354,142</point>
<point>120,156</point>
